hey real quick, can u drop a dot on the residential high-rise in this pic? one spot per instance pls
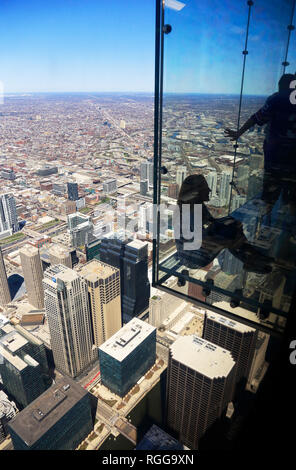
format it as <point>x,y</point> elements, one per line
<point>33,275</point>
<point>81,229</point>
<point>57,420</point>
<point>59,255</point>
<point>127,355</point>
<point>131,257</point>
<point>103,284</point>
<point>212,182</point>
<point>157,311</point>
<point>110,186</point>
<point>8,214</point>
<point>69,320</point>
<point>5,296</point>
<point>72,189</point>
<point>199,387</point>
<point>23,365</point>
<point>237,338</point>
<point>147,172</point>
<point>225,187</point>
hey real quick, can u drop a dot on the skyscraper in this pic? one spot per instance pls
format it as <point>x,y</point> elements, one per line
<point>131,258</point>
<point>72,189</point>
<point>127,355</point>
<point>103,284</point>
<point>147,172</point>
<point>5,296</point>
<point>8,215</point>
<point>199,387</point>
<point>69,320</point>
<point>23,365</point>
<point>57,420</point>
<point>225,187</point>
<point>237,338</point>
<point>212,182</point>
<point>181,175</point>
<point>33,275</point>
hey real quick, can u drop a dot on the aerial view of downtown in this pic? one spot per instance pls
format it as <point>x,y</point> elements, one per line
<point>147,227</point>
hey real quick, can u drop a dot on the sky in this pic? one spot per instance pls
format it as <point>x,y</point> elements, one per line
<point>108,46</point>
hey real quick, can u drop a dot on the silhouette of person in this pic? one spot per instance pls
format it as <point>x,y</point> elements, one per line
<point>279,145</point>
<point>217,234</point>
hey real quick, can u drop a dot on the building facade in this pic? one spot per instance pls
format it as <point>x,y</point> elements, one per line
<point>69,320</point>
<point>199,387</point>
<point>33,275</point>
<point>127,356</point>
<point>5,296</point>
<point>8,214</point>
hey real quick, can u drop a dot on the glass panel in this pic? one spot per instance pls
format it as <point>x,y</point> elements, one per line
<point>209,85</point>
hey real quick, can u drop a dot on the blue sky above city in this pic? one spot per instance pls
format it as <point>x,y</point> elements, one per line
<point>108,46</point>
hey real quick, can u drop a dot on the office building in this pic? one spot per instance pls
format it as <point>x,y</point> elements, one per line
<point>103,285</point>
<point>69,320</point>
<point>72,189</point>
<point>173,190</point>
<point>225,187</point>
<point>147,172</point>
<point>23,365</point>
<point>110,186</point>
<point>5,296</point>
<point>8,411</point>
<point>212,182</point>
<point>199,387</point>
<point>8,214</point>
<point>59,255</point>
<point>145,224</point>
<point>8,174</point>
<point>58,420</point>
<point>237,338</point>
<point>157,439</point>
<point>81,229</point>
<point>131,258</point>
<point>59,189</point>
<point>157,311</point>
<point>47,170</point>
<point>127,356</point>
<point>143,187</point>
<point>33,275</point>
<point>181,175</point>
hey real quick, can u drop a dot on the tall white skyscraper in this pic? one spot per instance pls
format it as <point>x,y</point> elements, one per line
<point>181,175</point>
<point>146,172</point>
<point>225,187</point>
<point>212,182</point>
<point>8,215</point>
<point>145,217</point>
<point>69,320</point>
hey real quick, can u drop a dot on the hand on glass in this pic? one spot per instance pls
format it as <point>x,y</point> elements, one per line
<point>234,135</point>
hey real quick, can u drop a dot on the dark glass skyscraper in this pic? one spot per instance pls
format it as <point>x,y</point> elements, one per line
<point>72,189</point>
<point>131,258</point>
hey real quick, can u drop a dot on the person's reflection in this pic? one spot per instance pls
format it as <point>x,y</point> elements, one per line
<point>217,234</point>
<point>279,146</point>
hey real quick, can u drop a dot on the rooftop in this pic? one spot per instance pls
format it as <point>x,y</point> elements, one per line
<point>235,325</point>
<point>95,270</point>
<point>204,357</point>
<point>122,343</point>
<point>40,416</point>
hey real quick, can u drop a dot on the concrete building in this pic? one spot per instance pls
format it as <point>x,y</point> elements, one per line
<point>33,275</point>
<point>127,356</point>
<point>110,186</point>
<point>81,229</point>
<point>23,364</point>
<point>5,296</point>
<point>59,255</point>
<point>8,214</point>
<point>157,311</point>
<point>8,411</point>
<point>72,190</point>
<point>58,420</point>
<point>199,387</point>
<point>69,320</point>
<point>103,285</point>
<point>237,338</point>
